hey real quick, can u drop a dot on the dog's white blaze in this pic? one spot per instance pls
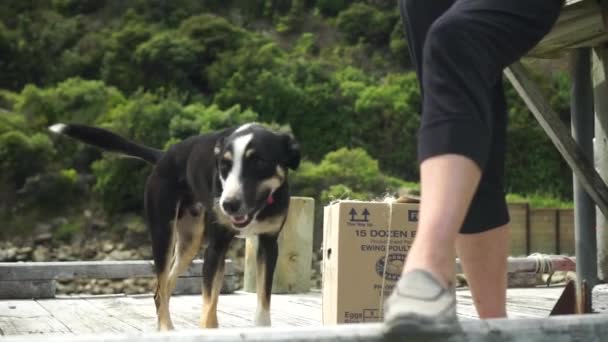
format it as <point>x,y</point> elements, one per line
<point>244,127</point>
<point>58,128</point>
<point>233,187</point>
<point>262,316</point>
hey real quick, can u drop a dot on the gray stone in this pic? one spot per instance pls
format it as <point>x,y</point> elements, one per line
<point>43,237</point>
<point>41,253</point>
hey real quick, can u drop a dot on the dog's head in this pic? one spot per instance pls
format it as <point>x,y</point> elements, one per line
<point>253,163</point>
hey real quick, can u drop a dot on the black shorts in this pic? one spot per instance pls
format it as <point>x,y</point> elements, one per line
<point>459,49</point>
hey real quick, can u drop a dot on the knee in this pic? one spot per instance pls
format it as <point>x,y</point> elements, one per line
<point>451,37</point>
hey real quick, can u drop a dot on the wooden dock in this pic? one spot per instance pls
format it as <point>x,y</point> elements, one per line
<point>135,314</point>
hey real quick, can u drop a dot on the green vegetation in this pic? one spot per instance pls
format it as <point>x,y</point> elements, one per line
<point>334,72</point>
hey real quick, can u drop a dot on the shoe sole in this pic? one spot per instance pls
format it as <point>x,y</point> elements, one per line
<point>411,325</point>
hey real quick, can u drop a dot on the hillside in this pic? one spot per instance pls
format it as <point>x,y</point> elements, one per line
<point>334,72</point>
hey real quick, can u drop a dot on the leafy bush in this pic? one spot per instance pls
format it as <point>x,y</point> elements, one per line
<point>533,164</point>
<point>213,35</point>
<point>9,68</point>
<point>398,45</point>
<point>145,118</point>
<point>119,67</point>
<point>390,111</point>
<point>198,119</point>
<point>354,169</point>
<point>84,59</point>
<point>52,192</point>
<point>362,21</point>
<point>331,8</point>
<point>167,59</point>
<point>22,156</point>
<point>120,183</point>
<point>340,192</point>
<point>75,100</point>
<point>73,7</point>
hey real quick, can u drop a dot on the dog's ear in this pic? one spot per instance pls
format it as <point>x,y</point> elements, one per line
<point>292,156</point>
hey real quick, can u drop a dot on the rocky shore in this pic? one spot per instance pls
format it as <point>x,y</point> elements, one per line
<point>98,242</point>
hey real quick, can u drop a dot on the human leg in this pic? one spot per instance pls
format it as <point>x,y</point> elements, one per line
<point>463,57</point>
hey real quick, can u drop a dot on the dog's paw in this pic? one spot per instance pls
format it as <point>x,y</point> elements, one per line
<point>262,318</point>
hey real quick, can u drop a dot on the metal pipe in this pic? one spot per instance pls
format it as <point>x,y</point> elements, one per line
<point>584,208</point>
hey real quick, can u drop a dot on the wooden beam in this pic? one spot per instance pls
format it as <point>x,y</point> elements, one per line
<point>91,269</point>
<point>581,24</point>
<point>566,328</point>
<point>600,89</point>
<point>37,279</point>
<point>531,264</point>
<point>560,135</point>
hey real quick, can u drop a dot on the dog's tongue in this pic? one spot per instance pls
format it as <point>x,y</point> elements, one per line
<point>239,219</point>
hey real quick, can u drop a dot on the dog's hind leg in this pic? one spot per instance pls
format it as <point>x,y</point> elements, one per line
<point>268,251</point>
<point>161,203</point>
<point>213,275</point>
<point>188,231</point>
<point>190,228</point>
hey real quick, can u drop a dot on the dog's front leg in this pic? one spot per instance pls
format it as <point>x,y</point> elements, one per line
<point>268,250</point>
<point>213,278</point>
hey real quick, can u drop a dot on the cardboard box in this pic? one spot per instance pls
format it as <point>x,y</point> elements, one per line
<point>355,237</point>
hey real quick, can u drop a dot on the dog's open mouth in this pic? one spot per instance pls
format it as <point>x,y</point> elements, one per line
<point>241,221</point>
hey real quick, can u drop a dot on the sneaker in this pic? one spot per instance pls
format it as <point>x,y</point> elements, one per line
<point>419,302</point>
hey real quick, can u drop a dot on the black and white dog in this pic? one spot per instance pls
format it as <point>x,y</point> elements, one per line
<point>206,190</point>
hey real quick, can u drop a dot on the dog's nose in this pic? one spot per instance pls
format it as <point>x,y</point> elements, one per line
<point>231,205</point>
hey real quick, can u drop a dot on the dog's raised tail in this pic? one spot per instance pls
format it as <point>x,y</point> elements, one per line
<point>108,141</point>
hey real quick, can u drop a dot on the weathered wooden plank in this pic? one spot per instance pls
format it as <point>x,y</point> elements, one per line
<point>543,224</point>
<point>589,328</point>
<point>521,303</point>
<point>189,308</point>
<point>140,312</point>
<point>580,24</point>
<point>91,269</point>
<point>83,318</point>
<point>560,136</point>
<point>518,213</point>
<point>136,311</point>
<point>566,232</point>
<point>21,317</point>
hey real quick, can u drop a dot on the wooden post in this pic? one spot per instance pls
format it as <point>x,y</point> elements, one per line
<point>600,89</point>
<point>294,264</point>
<point>584,209</point>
